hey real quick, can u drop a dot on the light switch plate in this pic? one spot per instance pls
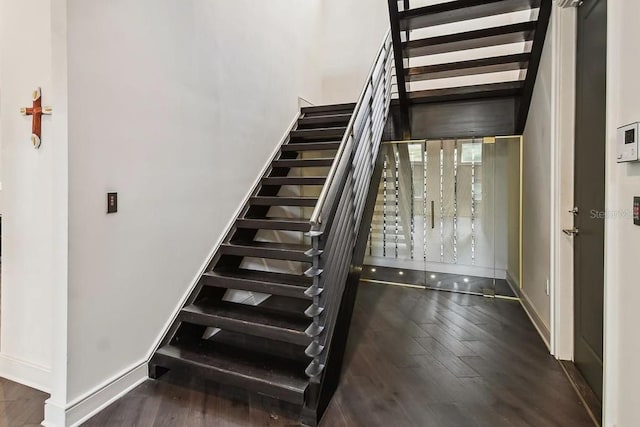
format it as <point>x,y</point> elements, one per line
<point>112,203</point>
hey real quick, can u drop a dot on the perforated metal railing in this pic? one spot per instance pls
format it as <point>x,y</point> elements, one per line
<point>336,218</point>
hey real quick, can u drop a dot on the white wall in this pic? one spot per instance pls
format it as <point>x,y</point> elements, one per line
<point>513,220</point>
<point>352,34</point>
<point>548,188</point>
<point>537,149</point>
<point>33,194</point>
<point>177,106</point>
<point>622,294</point>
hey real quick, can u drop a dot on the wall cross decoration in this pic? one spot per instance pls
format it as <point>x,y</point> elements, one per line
<point>36,112</point>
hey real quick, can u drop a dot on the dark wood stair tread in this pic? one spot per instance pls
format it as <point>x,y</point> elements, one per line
<point>324,120</point>
<point>283,201</point>
<point>263,276</point>
<point>250,320</point>
<point>262,346</point>
<point>318,134</point>
<point>288,285</point>
<point>486,37</point>
<point>282,303</point>
<point>273,224</point>
<point>267,375</point>
<point>460,10</point>
<point>294,180</point>
<point>311,146</point>
<point>472,67</point>
<point>271,250</point>
<point>335,108</point>
<point>492,90</point>
<point>302,163</point>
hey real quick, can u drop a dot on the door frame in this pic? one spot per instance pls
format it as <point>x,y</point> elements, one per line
<point>563,36</point>
<point>564,53</point>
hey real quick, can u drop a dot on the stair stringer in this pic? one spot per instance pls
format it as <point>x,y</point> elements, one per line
<point>168,332</point>
<point>314,410</point>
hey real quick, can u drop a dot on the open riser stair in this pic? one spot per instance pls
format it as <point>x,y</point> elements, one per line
<point>271,312</point>
<point>262,316</point>
<point>465,50</point>
<point>280,320</point>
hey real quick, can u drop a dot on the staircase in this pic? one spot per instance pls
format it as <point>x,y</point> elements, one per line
<point>467,50</point>
<point>261,347</point>
<point>271,313</point>
<point>263,315</point>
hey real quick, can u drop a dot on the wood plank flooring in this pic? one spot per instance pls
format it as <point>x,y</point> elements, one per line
<point>20,406</point>
<point>414,358</point>
<point>587,395</point>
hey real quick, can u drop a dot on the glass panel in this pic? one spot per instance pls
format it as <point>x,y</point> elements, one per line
<point>485,233</point>
<point>393,252</point>
<point>460,241</point>
<point>507,215</point>
<point>448,215</point>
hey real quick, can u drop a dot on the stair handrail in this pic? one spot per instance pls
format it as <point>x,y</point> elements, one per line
<point>316,216</point>
<point>336,220</point>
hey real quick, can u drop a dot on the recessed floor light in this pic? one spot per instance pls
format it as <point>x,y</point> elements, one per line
<point>401,273</point>
<point>433,276</point>
<point>466,280</point>
<point>373,270</point>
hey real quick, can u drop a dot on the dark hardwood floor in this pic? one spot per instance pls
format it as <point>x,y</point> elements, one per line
<point>580,385</point>
<point>20,406</point>
<point>414,358</point>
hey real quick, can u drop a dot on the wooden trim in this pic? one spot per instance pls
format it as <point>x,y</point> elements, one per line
<point>534,63</point>
<point>26,373</point>
<point>537,321</point>
<point>485,37</point>
<point>461,10</point>
<point>584,392</point>
<point>398,58</point>
<point>461,93</point>
<point>469,67</point>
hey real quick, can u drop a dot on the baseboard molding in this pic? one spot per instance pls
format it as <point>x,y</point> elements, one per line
<point>589,399</point>
<point>88,405</point>
<point>54,414</point>
<point>542,329</point>
<point>513,283</point>
<point>25,373</point>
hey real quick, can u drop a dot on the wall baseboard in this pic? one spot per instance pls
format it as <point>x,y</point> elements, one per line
<point>25,373</point>
<point>542,329</point>
<point>513,283</point>
<point>85,407</point>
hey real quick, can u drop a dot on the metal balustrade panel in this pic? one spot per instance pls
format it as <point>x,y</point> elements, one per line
<point>337,216</point>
